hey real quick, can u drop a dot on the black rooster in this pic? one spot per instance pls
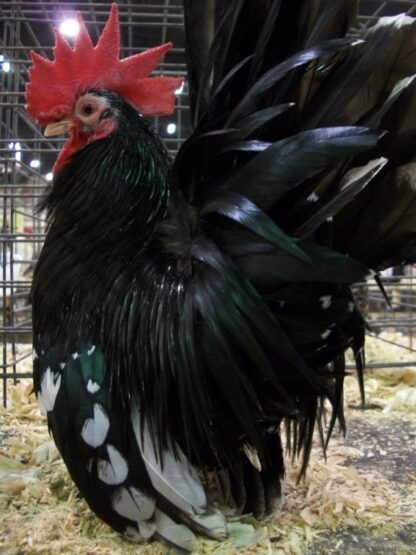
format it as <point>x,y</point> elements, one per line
<point>184,312</point>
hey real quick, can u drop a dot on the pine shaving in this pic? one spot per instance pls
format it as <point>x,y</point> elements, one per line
<point>41,512</point>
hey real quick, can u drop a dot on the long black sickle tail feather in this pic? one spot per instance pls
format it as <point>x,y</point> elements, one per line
<point>294,164</point>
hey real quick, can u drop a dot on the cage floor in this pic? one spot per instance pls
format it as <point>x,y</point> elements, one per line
<point>362,500</point>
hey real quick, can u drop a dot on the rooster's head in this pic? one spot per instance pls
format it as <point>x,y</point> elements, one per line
<point>68,94</point>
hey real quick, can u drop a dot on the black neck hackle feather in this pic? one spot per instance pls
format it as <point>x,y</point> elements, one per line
<point>101,214</point>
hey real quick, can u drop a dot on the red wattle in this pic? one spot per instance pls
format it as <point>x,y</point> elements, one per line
<point>78,140</point>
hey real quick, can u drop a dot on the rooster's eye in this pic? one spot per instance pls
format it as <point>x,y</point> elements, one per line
<point>88,109</point>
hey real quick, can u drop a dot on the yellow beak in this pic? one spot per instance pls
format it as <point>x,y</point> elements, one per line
<point>58,128</point>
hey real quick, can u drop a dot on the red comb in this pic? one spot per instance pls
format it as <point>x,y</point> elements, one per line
<point>54,85</point>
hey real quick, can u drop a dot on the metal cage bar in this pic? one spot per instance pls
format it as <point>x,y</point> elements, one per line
<point>26,157</point>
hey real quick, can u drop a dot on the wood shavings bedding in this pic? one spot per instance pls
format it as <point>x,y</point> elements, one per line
<point>42,513</point>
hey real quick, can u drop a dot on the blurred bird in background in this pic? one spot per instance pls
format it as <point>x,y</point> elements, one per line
<point>186,311</point>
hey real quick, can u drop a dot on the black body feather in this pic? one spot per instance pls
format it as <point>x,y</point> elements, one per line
<point>215,290</point>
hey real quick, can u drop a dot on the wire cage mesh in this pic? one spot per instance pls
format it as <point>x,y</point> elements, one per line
<point>26,157</point>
